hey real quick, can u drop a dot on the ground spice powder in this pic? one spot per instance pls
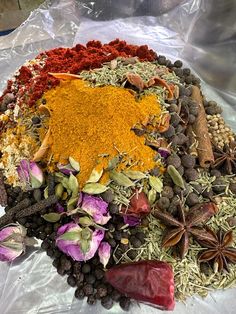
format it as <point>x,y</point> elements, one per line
<point>86,122</point>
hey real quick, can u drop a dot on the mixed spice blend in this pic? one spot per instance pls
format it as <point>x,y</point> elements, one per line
<point>113,157</point>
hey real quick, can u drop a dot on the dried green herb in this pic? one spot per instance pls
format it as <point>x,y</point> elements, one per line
<point>156,183</point>
<point>175,176</point>
<point>152,194</point>
<point>52,217</point>
<point>95,176</point>
<point>94,188</point>
<point>59,190</point>
<point>120,178</point>
<point>135,175</point>
<point>74,164</point>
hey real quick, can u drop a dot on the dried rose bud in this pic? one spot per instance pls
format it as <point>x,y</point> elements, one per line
<point>30,174</point>
<point>13,241</point>
<point>80,244</point>
<point>104,253</point>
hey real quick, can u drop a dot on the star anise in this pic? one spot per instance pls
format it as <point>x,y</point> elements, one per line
<point>226,158</point>
<point>218,249</point>
<point>187,224</point>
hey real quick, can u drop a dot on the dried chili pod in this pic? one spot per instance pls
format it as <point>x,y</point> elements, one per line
<point>150,282</point>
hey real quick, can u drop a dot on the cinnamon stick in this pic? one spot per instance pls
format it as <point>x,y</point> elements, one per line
<point>200,129</point>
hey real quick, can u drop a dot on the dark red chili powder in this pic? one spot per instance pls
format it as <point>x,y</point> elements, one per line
<point>74,60</point>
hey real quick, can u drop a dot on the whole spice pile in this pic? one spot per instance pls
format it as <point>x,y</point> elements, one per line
<point>113,158</point>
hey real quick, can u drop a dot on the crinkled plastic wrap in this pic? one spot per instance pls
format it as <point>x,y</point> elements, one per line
<point>201,33</point>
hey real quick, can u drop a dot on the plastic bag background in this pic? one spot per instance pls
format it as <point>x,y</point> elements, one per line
<point>201,33</point>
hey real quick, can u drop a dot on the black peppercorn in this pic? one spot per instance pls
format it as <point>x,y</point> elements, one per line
<point>99,273</point>
<point>90,279</point>
<point>136,243</point>
<point>192,199</point>
<point>101,291</point>
<point>188,161</point>
<point>163,203</point>
<point>91,300</point>
<point>86,268</point>
<point>71,280</point>
<point>174,160</point>
<point>167,192</point>
<point>88,289</point>
<point>79,293</point>
<point>125,303</point>
<point>107,302</point>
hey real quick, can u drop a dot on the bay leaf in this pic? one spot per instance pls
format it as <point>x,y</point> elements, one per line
<point>152,194</point>
<point>74,164</point>
<point>52,217</point>
<point>95,176</point>
<point>175,176</point>
<point>120,179</point>
<point>94,188</point>
<point>135,175</point>
<point>156,183</point>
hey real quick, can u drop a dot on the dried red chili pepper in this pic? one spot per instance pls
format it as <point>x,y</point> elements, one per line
<point>139,205</point>
<point>150,282</point>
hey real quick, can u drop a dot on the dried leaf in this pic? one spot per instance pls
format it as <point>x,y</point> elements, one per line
<point>94,188</point>
<point>95,176</point>
<point>175,176</point>
<point>135,175</point>
<point>120,179</point>
<point>156,183</point>
<point>74,164</point>
<point>52,217</point>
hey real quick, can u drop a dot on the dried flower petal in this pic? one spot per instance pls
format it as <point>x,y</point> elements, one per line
<point>131,220</point>
<point>104,253</point>
<point>96,207</point>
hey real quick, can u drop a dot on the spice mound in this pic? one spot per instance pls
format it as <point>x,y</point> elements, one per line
<point>114,158</point>
<point>87,122</point>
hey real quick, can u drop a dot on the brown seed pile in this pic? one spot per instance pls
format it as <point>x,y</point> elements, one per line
<point>220,133</point>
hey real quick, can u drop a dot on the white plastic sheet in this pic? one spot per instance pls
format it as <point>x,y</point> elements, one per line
<point>198,32</point>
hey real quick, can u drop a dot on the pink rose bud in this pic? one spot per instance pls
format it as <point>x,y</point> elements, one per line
<point>30,174</point>
<point>104,253</point>
<point>80,244</point>
<point>95,207</point>
<point>13,241</point>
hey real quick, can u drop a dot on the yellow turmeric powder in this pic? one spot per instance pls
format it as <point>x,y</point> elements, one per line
<point>86,122</point>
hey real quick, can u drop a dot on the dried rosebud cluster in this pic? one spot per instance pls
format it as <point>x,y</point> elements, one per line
<point>220,133</point>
